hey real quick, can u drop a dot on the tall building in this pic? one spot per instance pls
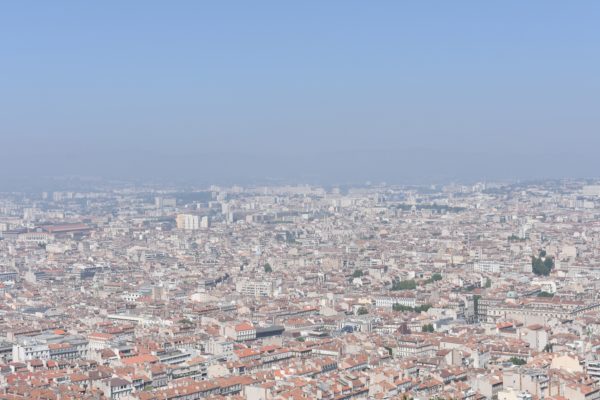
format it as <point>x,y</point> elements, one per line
<point>188,222</point>
<point>162,202</point>
<point>205,222</point>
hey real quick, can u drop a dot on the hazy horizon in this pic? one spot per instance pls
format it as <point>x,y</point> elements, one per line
<point>325,92</point>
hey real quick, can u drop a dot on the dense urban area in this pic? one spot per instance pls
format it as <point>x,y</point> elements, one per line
<point>484,291</point>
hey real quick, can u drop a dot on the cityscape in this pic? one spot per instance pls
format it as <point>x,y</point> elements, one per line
<point>299,200</point>
<point>287,292</point>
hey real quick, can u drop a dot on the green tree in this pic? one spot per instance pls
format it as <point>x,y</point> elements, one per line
<point>434,278</point>
<point>362,311</point>
<point>289,237</point>
<point>545,294</point>
<point>268,268</point>
<point>400,307</point>
<point>488,283</point>
<point>428,328</point>
<point>543,264</point>
<point>517,361</point>
<point>357,273</point>
<point>404,285</point>
<point>418,309</point>
<point>515,238</point>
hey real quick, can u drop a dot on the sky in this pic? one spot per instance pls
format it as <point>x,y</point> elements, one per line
<point>305,91</point>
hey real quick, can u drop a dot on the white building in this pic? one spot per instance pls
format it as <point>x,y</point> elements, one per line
<point>491,267</point>
<point>255,288</point>
<point>188,222</point>
<point>389,301</point>
<point>131,297</point>
<point>241,332</point>
<point>205,222</point>
<point>220,348</point>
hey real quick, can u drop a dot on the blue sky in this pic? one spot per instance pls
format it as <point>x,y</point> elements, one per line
<point>331,91</point>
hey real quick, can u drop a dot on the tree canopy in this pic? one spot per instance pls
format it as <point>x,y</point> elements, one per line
<point>543,264</point>
<point>418,309</point>
<point>434,278</point>
<point>357,273</point>
<point>404,285</point>
<point>545,294</point>
<point>517,361</point>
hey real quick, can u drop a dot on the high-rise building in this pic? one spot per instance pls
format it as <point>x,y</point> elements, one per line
<point>205,222</point>
<point>164,202</point>
<point>187,221</point>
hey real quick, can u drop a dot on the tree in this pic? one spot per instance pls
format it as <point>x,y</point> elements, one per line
<point>268,268</point>
<point>404,285</point>
<point>434,278</point>
<point>545,294</point>
<point>428,328</point>
<point>357,273</point>
<point>543,264</point>
<point>362,311</point>
<point>289,237</point>
<point>488,283</point>
<point>517,361</point>
<point>515,238</point>
<point>418,309</point>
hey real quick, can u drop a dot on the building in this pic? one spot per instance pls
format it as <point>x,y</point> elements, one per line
<point>255,288</point>
<point>8,276</point>
<point>389,301</point>
<point>187,222</point>
<point>241,332</point>
<point>491,267</point>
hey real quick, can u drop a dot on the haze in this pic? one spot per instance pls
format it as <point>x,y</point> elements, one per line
<point>314,91</point>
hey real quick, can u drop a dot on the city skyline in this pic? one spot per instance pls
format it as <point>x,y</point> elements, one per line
<point>278,200</point>
<point>280,292</point>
